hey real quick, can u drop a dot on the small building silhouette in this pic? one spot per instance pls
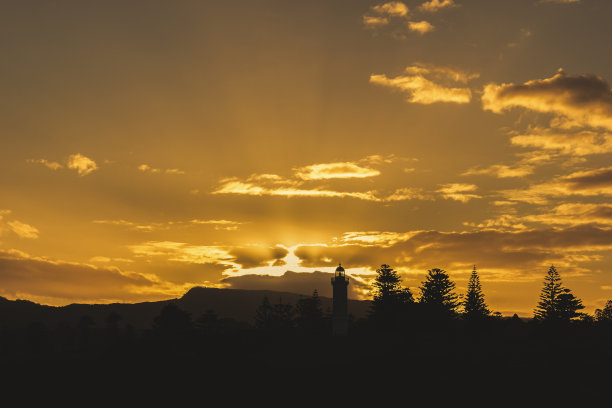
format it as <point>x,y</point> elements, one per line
<point>340,304</point>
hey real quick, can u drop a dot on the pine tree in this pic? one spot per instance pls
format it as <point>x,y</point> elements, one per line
<point>389,297</point>
<point>556,302</point>
<point>277,317</point>
<point>569,305</point>
<point>310,313</point>
<point>605,314</point>
<point>474,304</point>
<point>547,308</point>
<point>437,290</point>
<point>388,291</point>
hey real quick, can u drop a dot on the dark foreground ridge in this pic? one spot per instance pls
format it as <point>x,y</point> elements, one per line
<point>218,337</point>
<point>237,304</point>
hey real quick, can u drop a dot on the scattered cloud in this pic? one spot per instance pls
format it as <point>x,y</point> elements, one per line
<point>392,8</point>
<point>421,90</point>
<point>161,226</point>
<point>375,21</point>
<point>145,168</point>
<point>376,238</point>
<point>501,170</point>
<point>422,84</point>
<point>458,191</point>
<point>594,182</point>
<point>381,14</point>
<point>174,171</point>
<point>441,72</point>
<point>183,252</point>
<point>49,164</point>
<point>433,6</point>
<point>568,214</point>
<point>576,143</point>
<point>335,170</point>
<point>300,184</point>
<point>585,99</point>
<point>560,1</point>
<point>421,27</point>
<point>82,164</point>
<point>23,230</point>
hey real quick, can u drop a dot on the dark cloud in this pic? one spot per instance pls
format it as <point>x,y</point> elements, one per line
<point>22,275</point>
<point>590,179</point>
<point>182,272</point>
<point>294,282</point>
<point>255,256</point>
<point>510,251</point>
<point>584,98</point>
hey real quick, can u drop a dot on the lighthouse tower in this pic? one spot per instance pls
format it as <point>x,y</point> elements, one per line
<point>340,306</point>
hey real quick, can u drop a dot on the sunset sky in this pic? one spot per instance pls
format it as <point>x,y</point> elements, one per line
<point>147,147</point>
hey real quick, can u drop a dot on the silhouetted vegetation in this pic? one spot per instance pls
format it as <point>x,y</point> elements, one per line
<point>390,301</point>
<point>437,292</point>
<point>474,306</point>
<point>556,302</point>
<point>309,317</point>
<point>432,338</point>
<point>605,314</point>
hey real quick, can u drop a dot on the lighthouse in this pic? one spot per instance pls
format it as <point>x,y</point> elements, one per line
<point>340,305</point>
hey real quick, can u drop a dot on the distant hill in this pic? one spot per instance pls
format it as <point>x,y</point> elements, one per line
<point>239,304</point>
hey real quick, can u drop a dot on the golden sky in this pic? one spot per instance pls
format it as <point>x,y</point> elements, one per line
<point>150,146</point>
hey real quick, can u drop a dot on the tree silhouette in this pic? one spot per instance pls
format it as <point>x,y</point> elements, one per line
<point>437,290</point>
<point>389,297</point>
<point>474,304</point>
<point>208,322</point>
<point>605,314</point>
<point>556,302</point>
<point>277,317</point>
<point>309,313</point>
<point>568,305</point>
<point>112,320</point>
<point>172,320</point>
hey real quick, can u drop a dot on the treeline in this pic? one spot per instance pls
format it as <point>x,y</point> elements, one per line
<point>435,309</point>
<point>438,300</point>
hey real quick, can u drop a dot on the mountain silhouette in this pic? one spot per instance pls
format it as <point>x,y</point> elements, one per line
<point>238,304</point>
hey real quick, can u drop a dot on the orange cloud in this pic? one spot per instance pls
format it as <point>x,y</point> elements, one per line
<point>421,27</point>
<point>433,6</point>
<point>381,14</point>
<point>577,143</point>
<point>335,170</point>
<point>148,169</point>
<point>49,164</point>
<point>300,184</point>
<point>23,230</point>
<point>82,164</point>
<point>501,170</point>
<point>392,8</point>
<point>585,99</point>
<point>458,191</point>
<point>64,282</point>
<point>513,255</point>
<point>420,89</point>
<point>581,183</point>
